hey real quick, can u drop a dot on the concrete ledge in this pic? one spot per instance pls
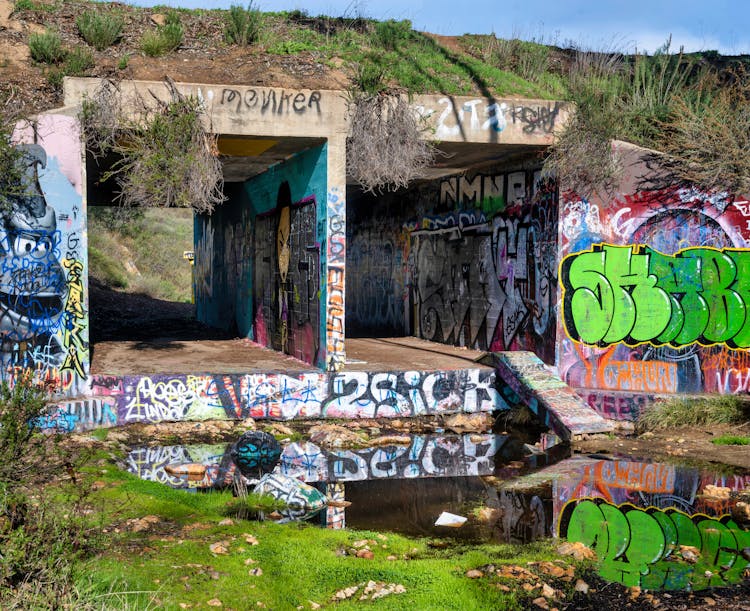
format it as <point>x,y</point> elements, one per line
<point>552,400</point>
<point>121,400</point>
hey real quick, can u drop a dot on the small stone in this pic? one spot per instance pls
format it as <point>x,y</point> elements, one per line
<point>158,19</point>
<point>227,522</point>
<point>366,554</point>
<point>257,572</point>
<point>547,591</point>
<point>635,592</point>
<point>214,602</point>
<point>313,604</point>
<point>391,557</point>
<point>360,543</point>
<point>581,586</point>
<point>474,574</point>
<point>185,605</point>
<point>249,561</point>
<point>502,587</point>
<point>220,547</point>
<point>541,602</point>
<point>251,539</point>
<point>709,601</point>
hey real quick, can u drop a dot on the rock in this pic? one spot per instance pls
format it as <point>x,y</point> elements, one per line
<point>469,423</point>
<point>346,593</point>
<point>581,586</point>
<point>548,591</point>
<point>741,512</point>
<point>718,492</point>
<point>391,558</point>
<point>474,574</point>
<point>690,554</point>
<point>390,440</point>
<point>214,602</point>
<point>366,554</point>
<point>158,19</point>
<point>281,429</point>
<point>578,550</point>
<point>220,547</point>
<point>541,602</point>
<point>251,539</point>
<point>194,472</point>
<point>257,572</point>
<point>333,436</point>
<point>227,522</point>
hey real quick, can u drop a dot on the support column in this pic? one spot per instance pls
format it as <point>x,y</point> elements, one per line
<point>335,255</point>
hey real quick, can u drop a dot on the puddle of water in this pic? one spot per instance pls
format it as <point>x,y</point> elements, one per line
<point>655,525</point>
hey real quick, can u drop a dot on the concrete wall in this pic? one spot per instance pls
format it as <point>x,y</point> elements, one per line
<point>44,274</point>
<point>654,281</point>
<point>469,260</point>
<point>258,258</point>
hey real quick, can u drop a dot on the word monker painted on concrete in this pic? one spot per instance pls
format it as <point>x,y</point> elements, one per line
<point>270,101</point>
<point>634,294</point>
<point>638,547</point>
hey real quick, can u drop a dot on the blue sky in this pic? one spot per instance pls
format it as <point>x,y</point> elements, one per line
<point>723,25</point>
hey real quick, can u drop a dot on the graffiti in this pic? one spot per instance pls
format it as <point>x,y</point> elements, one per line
<point>460,191</point>
<point>287,278</point>
<point>81,415</point>
<point>488,115</point>
<point>423,456</point>
<point>336,254</point>
<point>617,406</point>
<point>157,400</point>
<point>410,393</point>
<point>634,294</point>
<point>42,264</point>
<point>489,286</point>
<point>301,501</point>
<point>281,396</point>
<point>271,101</point>
<point>522,518</point>
<point>74,320</point>
<point>203,267</point>
<point>638,547</point>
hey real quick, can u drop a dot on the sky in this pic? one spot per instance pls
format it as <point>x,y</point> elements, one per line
<point>602,25</point>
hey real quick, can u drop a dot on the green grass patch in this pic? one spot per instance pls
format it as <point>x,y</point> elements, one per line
<point>695,411</point>
<point>162,40</point>
<point>171,563</point>
<point>731,440</point>
<point>100,29</point>
<point>46,47</point>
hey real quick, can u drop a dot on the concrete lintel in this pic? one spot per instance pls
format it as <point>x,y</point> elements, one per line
<point>552,400</point>
<point>275,111</point>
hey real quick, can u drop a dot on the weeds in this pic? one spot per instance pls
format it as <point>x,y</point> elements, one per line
<point>242,25</point>
<point>165,38</point>
<point>722,409</point>
<point>99,29</point>
<point>46,47</point>
<point>731,440</point>
<point>391,34</point>
<point>78,61</point>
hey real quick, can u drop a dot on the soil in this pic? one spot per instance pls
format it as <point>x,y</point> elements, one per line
<point>683,445</point>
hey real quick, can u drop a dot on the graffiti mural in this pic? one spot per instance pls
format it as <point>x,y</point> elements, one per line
<point>470,260</point>
<point>287,278</point>
<point>653,282</point>
<point>284,396</point>
<point>634,294</point>
<point>43,303</point>
<point>423,456</point>
<point>642,547</point>
<point>638,516</point>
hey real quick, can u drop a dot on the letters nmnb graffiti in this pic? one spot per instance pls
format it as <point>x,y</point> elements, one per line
<point>634,294</point>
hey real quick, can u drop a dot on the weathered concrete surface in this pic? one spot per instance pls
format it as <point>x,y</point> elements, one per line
<point>244,356</point>
<point>551,399</point>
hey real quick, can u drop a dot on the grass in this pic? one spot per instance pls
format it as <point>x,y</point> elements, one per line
<point>46,47</point>
<point>162,40</point>
<point>731,440</point>
<point>166,232</point>
<point>171,564</point>
<point>692,411</point>
<point>99,29</point>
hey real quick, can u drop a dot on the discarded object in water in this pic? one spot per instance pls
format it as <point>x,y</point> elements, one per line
<point>256,453</point>
<point>450,519</point>
<point>302,501</point>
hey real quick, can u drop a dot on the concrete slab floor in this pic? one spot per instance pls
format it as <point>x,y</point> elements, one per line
<point>244,356</point>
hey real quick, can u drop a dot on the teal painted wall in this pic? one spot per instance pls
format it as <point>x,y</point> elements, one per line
<point>241,281</point>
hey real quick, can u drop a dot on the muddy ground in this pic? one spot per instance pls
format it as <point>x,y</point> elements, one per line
<point>686,445</point>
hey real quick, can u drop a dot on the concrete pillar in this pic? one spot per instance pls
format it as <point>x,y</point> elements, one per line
<point>335,268</point>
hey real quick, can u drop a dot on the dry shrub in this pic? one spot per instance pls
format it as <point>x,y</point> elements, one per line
<point>168,158</point>
<point>385,149</point>
<point>709,142</point>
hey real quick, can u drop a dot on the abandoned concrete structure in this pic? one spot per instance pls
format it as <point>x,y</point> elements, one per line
<point>469,273</point>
